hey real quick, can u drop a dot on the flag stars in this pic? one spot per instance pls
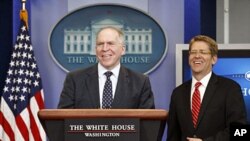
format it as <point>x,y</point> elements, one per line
<point>8,80</point>
<point>27,38</point>
<point>26,81</point>
<point>6,89</point>
<point>12,63</point>
<point>18,54</point>
<point>22,98</point>
<point>30,48</point>
<point>11,97</point>
<point>17,63</point>
<point>24,90</point>
<point>38,75</point>
<point>27,72</point>
<point>17,89</point>
<point>14,80</point>
<point>21,37</point>
<point>15,97</point>
<point>22,63</point>
<point>36,83</point>
<point>24,55</point>
<point>31,74</point>
<point>23,28</point>
<point>28,64</point>
<point>21,72</point>
<point>13,55</point>
<point>19,80</point>
<point>33,65</point>
<point>29,56</point>
<point>25,46</point>
<point>16,46</point>
<point>10,72</point>
<point>16,72</point>
<point>13,89</point>
<point>20,45</point>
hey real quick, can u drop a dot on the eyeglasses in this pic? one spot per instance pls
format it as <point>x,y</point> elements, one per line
<point>201,52</point>
<point>108,44</point>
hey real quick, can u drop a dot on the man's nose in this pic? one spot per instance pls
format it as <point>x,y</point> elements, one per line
<point>105,46</point>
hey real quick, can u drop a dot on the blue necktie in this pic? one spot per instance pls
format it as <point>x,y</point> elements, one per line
<point>107,92</point>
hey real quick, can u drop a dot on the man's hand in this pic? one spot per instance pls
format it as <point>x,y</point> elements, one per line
<point>193,139</point>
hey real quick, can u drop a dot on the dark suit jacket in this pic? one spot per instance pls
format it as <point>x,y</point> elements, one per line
<point>222,104</point>
<point>81,90</point>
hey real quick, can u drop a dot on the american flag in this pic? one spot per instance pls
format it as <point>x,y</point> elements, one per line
<point>22,95</point>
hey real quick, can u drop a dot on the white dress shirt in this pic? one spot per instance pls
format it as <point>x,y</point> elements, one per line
<point>102,79</point>
<point>202,88</point>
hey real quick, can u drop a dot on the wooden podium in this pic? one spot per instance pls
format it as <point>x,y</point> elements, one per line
<point>151,123</point>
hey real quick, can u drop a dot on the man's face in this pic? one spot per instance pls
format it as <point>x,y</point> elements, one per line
<point>201,60</point>
<point>109,48</point>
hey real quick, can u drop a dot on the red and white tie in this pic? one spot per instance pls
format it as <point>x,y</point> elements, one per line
<point>196,104</point>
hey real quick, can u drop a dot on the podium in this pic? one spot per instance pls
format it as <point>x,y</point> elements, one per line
<point>113,124</point>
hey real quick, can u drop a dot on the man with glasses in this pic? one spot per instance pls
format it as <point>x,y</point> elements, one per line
<point>107,84</point>
<point>203,108</point>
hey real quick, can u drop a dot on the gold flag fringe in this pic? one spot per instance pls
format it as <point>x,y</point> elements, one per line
<point>24,16</point>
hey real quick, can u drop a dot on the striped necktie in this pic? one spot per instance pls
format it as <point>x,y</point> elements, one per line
<point>196,103</point>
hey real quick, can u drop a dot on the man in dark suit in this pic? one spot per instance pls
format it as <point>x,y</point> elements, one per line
<point>203,108</point>
<point>86,88</point>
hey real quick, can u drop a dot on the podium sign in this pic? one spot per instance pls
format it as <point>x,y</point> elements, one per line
<point>102,129</point>
<point>105,124</point>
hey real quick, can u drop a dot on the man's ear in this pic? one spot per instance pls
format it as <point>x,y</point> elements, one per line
<point>214,59</point>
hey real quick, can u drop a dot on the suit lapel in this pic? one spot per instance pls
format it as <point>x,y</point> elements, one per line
<point>121,88</point>
<point>187,105</point>
<point>92,86</point>
<point>209,92</point>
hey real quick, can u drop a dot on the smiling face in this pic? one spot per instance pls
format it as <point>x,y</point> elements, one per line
<point>109,47</point>
<point>201,59</point>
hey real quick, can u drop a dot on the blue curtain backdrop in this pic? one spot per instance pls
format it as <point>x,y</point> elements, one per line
<point>6,23</point>
<point>200,18</point>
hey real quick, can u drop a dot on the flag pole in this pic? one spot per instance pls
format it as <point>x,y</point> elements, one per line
<point>24,13</point>
<point>23,4</point>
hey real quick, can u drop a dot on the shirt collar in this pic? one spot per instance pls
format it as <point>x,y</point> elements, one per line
<point>204,80</point>
<point>102,70</point>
